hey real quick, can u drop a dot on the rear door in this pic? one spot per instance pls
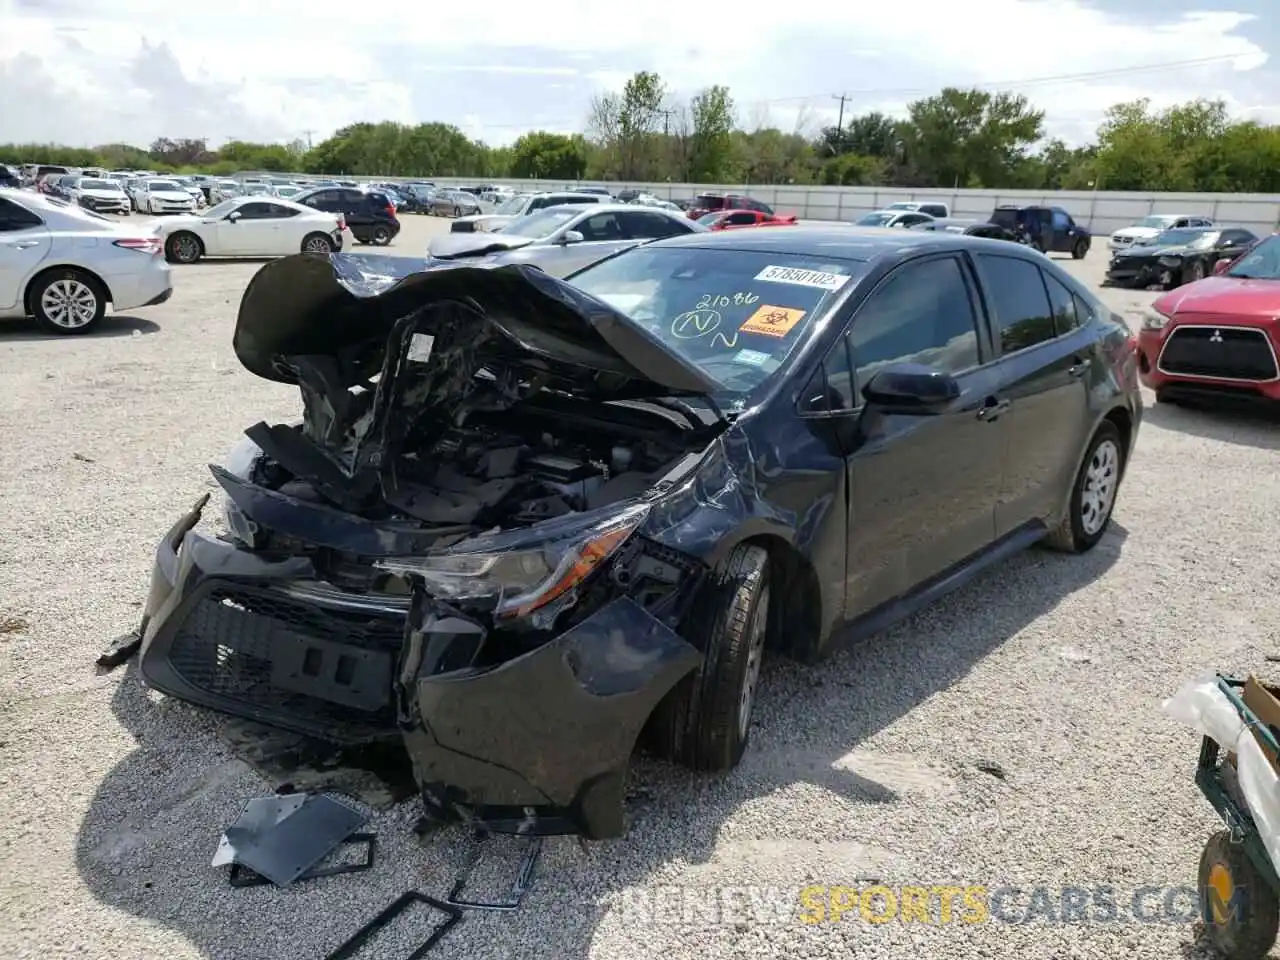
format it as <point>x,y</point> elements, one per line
<point>24,243</point>
<point>923,487</point>
<point>1040,333</point>
<point>646,225</point>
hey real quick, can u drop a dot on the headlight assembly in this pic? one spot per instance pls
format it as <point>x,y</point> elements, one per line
<point>523,579</point>
<point>1153,319</point>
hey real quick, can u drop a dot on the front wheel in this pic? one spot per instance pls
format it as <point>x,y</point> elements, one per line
<point>705,722</point>
<point>68,301</point>
<point>1093,495</point>
<point>1195,271</point>
<point>1239,908</point>
<point>317,243</point>
<point>183,247</point>
<point>457,211</point>
<point>1079,250</point>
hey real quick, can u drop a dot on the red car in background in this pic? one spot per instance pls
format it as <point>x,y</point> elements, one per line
<point>1217,338</point>
<point>736,219</point>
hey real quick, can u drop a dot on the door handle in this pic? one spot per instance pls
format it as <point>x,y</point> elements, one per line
<point>22,244</point>
<point>1077,370</point>
<point>992,409</point>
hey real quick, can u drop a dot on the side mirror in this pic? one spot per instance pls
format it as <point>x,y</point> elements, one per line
<point>911,388</point>
<point>233,216</point>
<point>571,236</point>
<point>1222,266</point>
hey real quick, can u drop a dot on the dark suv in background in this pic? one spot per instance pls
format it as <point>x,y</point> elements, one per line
<point>705,203</point>
<point>370,214</point>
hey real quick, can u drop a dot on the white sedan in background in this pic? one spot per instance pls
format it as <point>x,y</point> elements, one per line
<point>250,226</point>
<point>63,265</point>
<point>162,196</point>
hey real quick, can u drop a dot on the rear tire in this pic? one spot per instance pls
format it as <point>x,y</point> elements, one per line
<point>705,722</point>
<point>380,237</point>
<point>317,243</point>
<point>1093,493</point>
<point>68,301</point>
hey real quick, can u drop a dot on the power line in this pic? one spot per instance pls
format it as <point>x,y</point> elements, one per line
<point>1028,82</point>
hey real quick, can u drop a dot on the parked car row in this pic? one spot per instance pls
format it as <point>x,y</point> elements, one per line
<point>1178,255</point>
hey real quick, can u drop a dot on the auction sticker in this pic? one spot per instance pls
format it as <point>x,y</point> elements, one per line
<point>803,278</point>
<point>420,347</point>
<point>753,357</point>
<point>772,321</point>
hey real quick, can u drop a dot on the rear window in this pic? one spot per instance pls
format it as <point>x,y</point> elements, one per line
<point>706,201</point>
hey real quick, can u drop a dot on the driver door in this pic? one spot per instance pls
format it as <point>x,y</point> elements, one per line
<point>251,234</point>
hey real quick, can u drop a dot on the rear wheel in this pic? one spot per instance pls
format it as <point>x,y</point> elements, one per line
<point>705,722</point>
<point>68,301</point>
<point>380,237</point>
<point>183,247</point>
<point>317,243</point>
<point>1093,496</point>
<point>457,211</point>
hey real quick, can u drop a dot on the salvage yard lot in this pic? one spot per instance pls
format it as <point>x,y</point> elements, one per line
<point>1008,736</point>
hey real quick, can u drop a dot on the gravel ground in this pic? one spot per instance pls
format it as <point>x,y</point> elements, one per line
<point>1010,735</point>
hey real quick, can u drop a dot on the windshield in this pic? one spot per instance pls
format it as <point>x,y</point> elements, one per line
<point>876,219</point>
<point>164,185</point>
<point>110,185</point>
<point>513,207</point>
<point>541,224</point>
<point>255,188</point>
<point>707,219</point>
<point>1262,262</point>
<point>736,314</point>
<point>901,205</point>
<point>288,191</point>
<point>1177,238</point>
<point>1156,223</point>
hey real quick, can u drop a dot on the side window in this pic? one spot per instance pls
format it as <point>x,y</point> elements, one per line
<point>922,314</point>
<point>280,212</point>
<point>1185,222</point>
<point>740,219</point>
<point>830,389</point>
<point>324,196</point>
<point>1060,220</point>
<point>537,203</point>
<point>1066,316</point>
<point>1017,292</point>
<point>256,211</point>
<point>648,226</point>
<point>603,226</point>
<point>15,217</point>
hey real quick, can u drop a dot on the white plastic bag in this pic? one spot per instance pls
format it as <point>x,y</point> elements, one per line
<point>1201,704</point>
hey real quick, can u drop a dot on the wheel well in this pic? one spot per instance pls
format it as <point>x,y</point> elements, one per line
<point>1123,421</point>
<point>795,622</point>
<point>35,281</point>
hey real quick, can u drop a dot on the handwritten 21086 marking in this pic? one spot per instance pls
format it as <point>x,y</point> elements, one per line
<point>740,299</point>
<point>694,324</point>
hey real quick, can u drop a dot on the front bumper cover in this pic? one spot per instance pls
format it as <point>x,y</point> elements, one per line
<point>538,744</point>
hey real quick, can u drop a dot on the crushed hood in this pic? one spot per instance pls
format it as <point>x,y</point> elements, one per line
<point>474,244</point>
<point>346,307</point>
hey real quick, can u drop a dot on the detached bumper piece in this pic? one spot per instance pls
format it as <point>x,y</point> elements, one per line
<point>519,887</point>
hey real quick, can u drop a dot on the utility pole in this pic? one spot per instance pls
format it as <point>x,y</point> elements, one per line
<point>308,134</point>
<point>840,121</point>
<point>666,122</point>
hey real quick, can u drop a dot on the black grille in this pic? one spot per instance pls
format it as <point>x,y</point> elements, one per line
<point>304,667</point>
<point>1228,353</point>
<point>463,226</point>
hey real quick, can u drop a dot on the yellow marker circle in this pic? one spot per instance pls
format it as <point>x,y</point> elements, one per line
<point>1222,884</point>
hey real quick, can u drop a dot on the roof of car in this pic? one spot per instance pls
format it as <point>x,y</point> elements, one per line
<point>602,208</point>
<point>843,242</point>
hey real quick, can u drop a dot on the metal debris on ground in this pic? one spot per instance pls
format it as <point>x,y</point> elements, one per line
<point>519,887</point>
<point>242,876</point>
<point>283,837</point>
<point>382,920</point>
<point>120,651</point>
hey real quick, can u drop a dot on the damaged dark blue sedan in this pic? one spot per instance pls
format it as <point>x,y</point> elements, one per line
<point>525,524</point>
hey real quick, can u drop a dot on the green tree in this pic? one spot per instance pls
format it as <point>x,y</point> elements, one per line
<point>970,138</point>
<point>853,170</point>
<point>710,145</point>
<point>626,125</point>
<point>552,156</point>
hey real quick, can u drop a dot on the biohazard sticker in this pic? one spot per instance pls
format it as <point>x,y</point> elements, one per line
<point>772,321</point>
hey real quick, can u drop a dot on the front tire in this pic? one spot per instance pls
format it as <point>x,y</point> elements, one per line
<point>1079,251</point>
<point>1093,494</point>
<point>705,722</point>
<point>183,247</point>
<point>68,302</point>
<point>317,243</point>
<point>1195,271</point>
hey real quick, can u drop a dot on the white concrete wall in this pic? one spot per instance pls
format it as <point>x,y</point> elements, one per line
<point>1103,212</point>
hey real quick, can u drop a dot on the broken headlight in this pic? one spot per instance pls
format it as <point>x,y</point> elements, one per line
<point>240,463</point>
<point>527,576</point>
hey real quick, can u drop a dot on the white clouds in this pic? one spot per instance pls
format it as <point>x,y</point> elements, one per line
<point>88,71</point>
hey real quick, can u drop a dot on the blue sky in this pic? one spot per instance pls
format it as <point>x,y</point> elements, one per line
<point>92,71</point>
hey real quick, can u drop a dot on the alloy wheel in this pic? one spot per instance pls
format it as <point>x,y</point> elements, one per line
<point>186,249</point>
<point>69,303</point>
<point>755,656</point>
<point>316,245</point>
